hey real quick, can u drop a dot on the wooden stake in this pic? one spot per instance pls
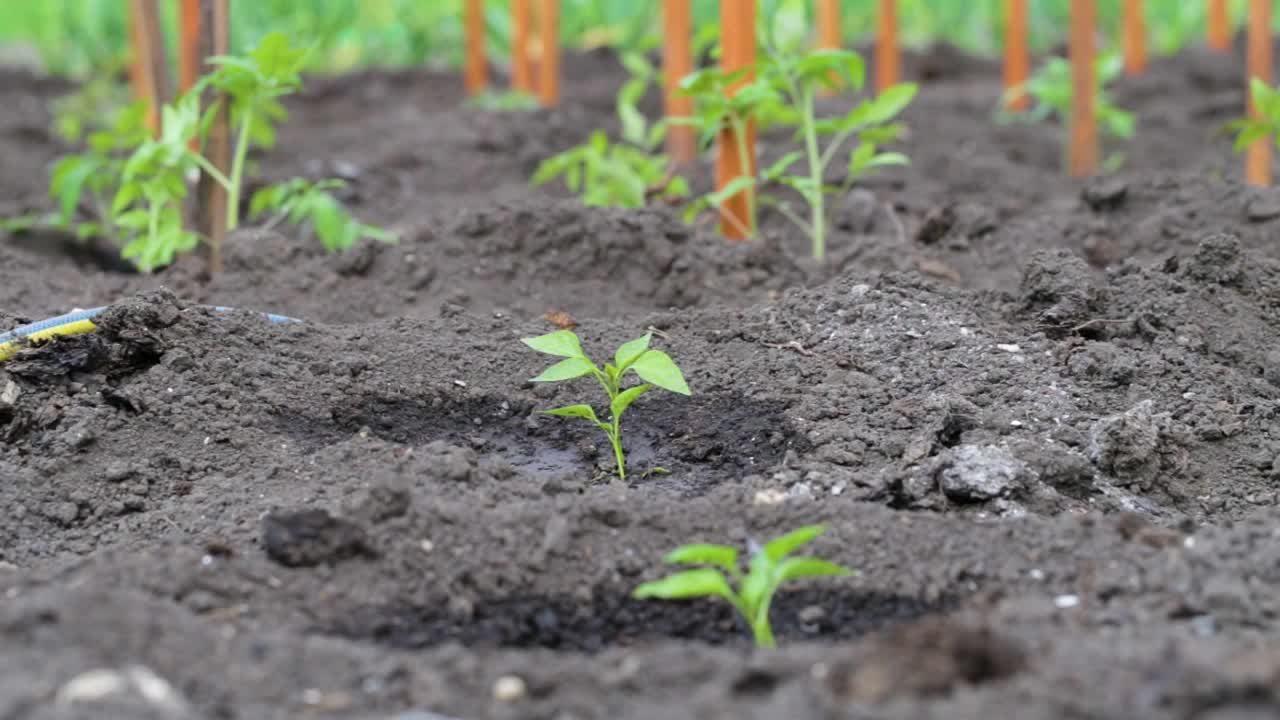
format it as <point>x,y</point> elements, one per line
<point>1017,61</point>
<point>1258,155</point>
<point>738,50</point>
<point>1135,38</point>
<point>521,25</point>
<point>828,12</point>
<point>549,63</point>
<point>887,55</point>
<point>1219,25</point>
<point>211,213</point>
<point>1083,149</point>
<point>149,72</point>
<point>189,45</point>
<point>476,74</point>
<point>677,63</point>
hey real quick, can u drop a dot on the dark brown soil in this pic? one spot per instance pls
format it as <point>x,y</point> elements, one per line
<point>1040,417</point>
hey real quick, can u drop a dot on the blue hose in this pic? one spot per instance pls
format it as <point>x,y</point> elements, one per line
<point>77,322</point>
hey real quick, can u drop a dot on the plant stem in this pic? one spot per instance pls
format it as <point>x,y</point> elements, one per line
<point>616,439</point>
<point>818,225</point>
<point>237,171</point>
<point>763,634</point>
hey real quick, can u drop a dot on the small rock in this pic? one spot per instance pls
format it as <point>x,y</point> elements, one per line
<point>1125,445</point>
<point>99,685</point>
<point>8,399</point>
<point>117,471</point>
<point>973,473</point>
<point>1107,193</point>
<point>1262,208</point>
<point>509,689</point>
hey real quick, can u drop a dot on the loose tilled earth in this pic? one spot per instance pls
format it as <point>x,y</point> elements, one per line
<point>1039,417</point>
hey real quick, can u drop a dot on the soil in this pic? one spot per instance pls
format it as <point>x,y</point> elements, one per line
<point>1038,416</point>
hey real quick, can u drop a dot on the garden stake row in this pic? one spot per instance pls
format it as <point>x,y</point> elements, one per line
<point>1219,25</point>
<point>1082,158</point>
<point>1258,156</point>
<point>677,62</point>
<point>1016,58</point>
<point>477,69</point>
<point>736,160</point>
<point>1135,42</point>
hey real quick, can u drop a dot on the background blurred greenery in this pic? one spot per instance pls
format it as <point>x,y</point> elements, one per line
<point>76,37</point>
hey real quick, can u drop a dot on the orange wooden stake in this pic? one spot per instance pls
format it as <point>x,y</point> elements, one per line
<point>189,45</point>
<point>887,55</point>
<point>736,159</point>
<point>1017,61</point>
<point>521,25</point>
<point>1082,157</point>
<point>828,28</point>
<point>148,70</point>
<point>677,63</point>
<point>476,74</point>
<point>549,63</point>
<point>1135,38</point>
<point>1258,155</point>
<point>1219,25</point>
<point>212,212</point>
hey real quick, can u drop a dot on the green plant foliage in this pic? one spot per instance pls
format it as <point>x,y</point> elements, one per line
<point>302,202</point>
<point>628,173</point>
<point>653,367</point>
<point>782,91</point>
<point>719,575</point>
<point>1051,91</point>
<point>1249,130</point>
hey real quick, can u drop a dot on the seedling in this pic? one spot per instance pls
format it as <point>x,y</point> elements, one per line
<point>654,367</point>
<point>304,202</point>
<point>769,567</point>
<point>628,173</point>
<point>1050,89</point>
<point>1249,130</point>
<point>784,93</point>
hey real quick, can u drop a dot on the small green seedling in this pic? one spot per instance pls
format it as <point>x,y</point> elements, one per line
<point>654,367</point>
<point>302,202</point>
<point>1051,90</point>
<point>627,173</point>
<point>784,93</point>
<point>769,567</point>
<point>1249,130</point>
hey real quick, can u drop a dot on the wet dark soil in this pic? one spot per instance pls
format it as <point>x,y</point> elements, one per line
<point>1038,416</point>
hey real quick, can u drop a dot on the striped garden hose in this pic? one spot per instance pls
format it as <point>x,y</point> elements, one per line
<point>75,323</point>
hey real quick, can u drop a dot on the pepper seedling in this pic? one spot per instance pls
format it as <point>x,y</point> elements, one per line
<point>654,367</point>
<point>769,567</point>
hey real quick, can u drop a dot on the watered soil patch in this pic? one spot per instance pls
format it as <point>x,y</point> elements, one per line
<point>1039,417</point>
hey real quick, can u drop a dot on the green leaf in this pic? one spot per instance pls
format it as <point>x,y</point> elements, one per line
<point>578,411</point>
<point>721,556</point>
<point>68,180</point>
<point>657,367</point>
<point>806,567</point>
<point>783,164</point>
<point>625,398</point>
<point>703,582</point>
<point>885,106</point>
<point>563,343</point>
<point>568,369</point>
<point>630,350</point>
<point>781,547</point>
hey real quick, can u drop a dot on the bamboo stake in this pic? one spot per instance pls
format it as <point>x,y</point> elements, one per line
<point>521,25</point>
<point>1219,25</point>
<point>1258,155</point>
<point>734,160</point>
<point>677,62</point>
<point>1017,62</point>
<point>476,74</point>
<point>1083,149</point>
<point>1135,40</point>
<point>549,63</point>
<point>887,54</point>
<point>211,213</point>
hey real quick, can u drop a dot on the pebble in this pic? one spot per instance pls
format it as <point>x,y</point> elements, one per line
<point>509,689</point>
